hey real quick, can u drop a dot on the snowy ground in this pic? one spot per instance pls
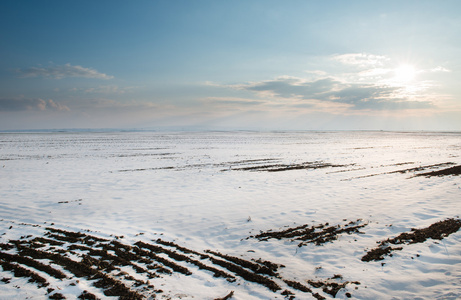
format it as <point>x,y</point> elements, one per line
<point>213,190</point>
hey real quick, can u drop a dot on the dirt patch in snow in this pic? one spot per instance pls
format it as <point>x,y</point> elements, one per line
<point>436,231</point>
<point>288,167</point>
<point>315,234</point>
<point>254,165</point>
<point>403,171</point>
<point>103,263</point>
<point>456,170</point>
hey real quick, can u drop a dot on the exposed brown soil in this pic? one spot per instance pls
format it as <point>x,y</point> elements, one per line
<point>332,285</point>
<point>316,234</point>
<point>227,165</point>
<point>78,200</point>
<point>14,258</point>
<point>87,296</point>
<point>57,296</point>
<point>436,231</point>
<point>288,167</point>
<point>100,261</point>
<point>456,170</point>
<point>258,268</point>
<point>255,165</point>
<point>415,169</point>
<point>245,274</point>
<point>19,271</point>
<point>298,286</point>
<point>228,296</point>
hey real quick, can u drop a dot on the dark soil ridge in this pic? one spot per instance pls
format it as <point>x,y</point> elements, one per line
<point>331,288</point>
<point>256,165</point>
<point>255,267</point>
<point>111,286</point>
<point>402,171</point>
<point>31,263</point>
<point>316,234</point>
<point>89,267</point>
<point>216,272</point>
<point>245,274</point>
<point>436,231</point>
<point>363,168</point>
<point>456,170</point>
<point>241,268</point>
<point>19,271</point>
<point>100,261</point>
<point>233,267</point>
<point>288,167</point>
<point>228,165</point>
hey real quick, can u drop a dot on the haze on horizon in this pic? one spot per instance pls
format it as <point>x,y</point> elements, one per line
<point>257,64</point>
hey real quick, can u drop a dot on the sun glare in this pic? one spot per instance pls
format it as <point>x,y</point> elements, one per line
<point>404,73</point>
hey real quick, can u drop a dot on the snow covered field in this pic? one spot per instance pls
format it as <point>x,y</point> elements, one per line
<point>218,191</point>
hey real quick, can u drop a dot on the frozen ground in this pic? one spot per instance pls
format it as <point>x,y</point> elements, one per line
<point>217,191</point>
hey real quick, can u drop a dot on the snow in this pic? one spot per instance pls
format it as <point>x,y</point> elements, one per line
<point>184,187</point>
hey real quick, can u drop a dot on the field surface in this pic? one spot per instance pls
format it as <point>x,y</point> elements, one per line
<point>230,215</point>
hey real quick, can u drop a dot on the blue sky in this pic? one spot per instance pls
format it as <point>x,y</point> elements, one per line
<point>268,65</point>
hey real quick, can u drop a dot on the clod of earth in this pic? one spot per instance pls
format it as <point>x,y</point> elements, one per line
<point>331,286</point>
<point>228,296</point>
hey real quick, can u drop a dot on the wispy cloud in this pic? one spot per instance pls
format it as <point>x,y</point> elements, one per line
<point>355,82</point>
<point>232,101</point>
<point>62,71</point>
<point>439,69</point>
<point>357,96</point>
<point>37,104</point>
<point>108,89</point>
<point>292,87</point>
<point>104,90</point>
<point>362,60</point>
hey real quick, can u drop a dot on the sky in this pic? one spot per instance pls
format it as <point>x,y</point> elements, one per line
<point>230,65</point>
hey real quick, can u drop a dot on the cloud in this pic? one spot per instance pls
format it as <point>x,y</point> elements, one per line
<point>394,105</point>
<point>100,104</point>
<point>232,101</point>
<point>439,69</point>
<point>290,87</point>
<point>108,89</point>
<point>354,94</point>
<point>352,82</point>
<point>363,60</point>
<point>63,71</point>
<point>316,93</point>
<point>23,104</point>
<point>103,90</point>
<point>375,72</point>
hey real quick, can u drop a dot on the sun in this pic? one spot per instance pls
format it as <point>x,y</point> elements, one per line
<point>404,73</point>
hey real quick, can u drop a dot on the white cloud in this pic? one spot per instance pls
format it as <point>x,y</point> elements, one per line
<point>96,105</point>
<point>363,60</point>
<point>375,72</point>
<point>439,69</point>
<point>63,71</point>
<point>232,101</point>
<point>289,87</point>
<point>329,92</point>
<point>24,104</point>
<point>105,89</point>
